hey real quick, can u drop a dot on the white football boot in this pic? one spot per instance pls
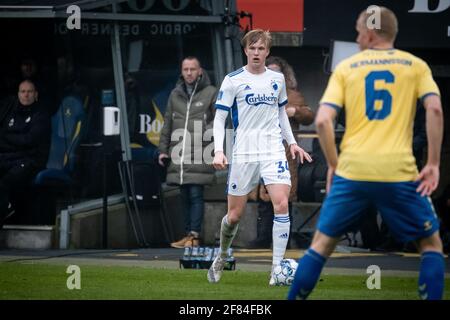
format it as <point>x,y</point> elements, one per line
<point>215,271</point>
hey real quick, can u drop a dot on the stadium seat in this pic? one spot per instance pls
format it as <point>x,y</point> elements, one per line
<point>65,139</point>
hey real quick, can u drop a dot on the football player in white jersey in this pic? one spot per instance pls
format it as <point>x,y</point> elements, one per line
<point>256,97</point>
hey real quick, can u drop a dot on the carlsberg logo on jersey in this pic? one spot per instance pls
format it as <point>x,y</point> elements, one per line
<point>259,99</point>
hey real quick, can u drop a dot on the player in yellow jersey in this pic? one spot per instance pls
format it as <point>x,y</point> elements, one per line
<point>379,88</point>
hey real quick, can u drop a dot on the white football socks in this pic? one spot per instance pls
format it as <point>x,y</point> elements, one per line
<point>280,236</point>
<point>227,233</point>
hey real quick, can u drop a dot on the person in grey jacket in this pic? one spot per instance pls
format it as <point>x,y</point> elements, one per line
<point>189,113</point>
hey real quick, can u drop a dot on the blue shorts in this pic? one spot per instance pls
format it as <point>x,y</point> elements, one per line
<point>408,215</point>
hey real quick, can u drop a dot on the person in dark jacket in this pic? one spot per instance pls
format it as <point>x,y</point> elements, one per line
<point>189,113</point>
<point>24,142</point>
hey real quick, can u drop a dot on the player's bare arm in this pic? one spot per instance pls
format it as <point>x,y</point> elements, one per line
<point>429,175</point>
<point>325,129</point>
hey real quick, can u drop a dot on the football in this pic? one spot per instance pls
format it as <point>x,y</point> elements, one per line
<point>284,273</point>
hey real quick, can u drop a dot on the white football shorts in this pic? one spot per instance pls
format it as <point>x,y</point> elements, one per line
<point>243,177</point>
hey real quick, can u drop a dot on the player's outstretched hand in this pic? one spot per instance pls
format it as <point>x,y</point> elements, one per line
<point>429,180</point>
<point>220,161</point>
<point>302,154</point>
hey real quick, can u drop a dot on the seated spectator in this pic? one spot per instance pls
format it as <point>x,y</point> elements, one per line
<point>24,142</point>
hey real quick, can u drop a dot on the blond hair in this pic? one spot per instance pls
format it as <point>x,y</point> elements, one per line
<point>253,36</point>
<point>388,23</point>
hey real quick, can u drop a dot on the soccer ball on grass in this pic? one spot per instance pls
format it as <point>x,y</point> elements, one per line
<point>284,272</point>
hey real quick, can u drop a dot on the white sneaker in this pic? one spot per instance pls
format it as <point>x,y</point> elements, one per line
<point>215,271</point>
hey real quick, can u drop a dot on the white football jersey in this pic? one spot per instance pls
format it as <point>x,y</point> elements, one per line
<point>254,101</point>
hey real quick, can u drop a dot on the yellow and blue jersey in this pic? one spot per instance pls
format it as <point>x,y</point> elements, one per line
<point>379,90</point>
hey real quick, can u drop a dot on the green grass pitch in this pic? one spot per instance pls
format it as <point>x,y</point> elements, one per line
<point>49,281</point>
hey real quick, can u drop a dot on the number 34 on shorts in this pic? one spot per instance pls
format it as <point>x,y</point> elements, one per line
<point>245,176</point>
<point>282,167</point>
